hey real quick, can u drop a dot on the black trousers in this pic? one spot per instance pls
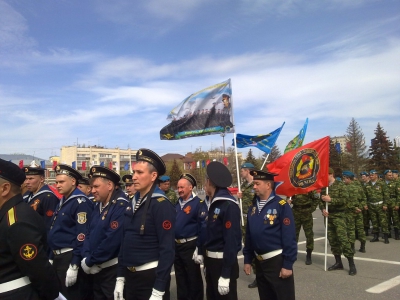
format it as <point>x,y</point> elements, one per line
<point>139,285</point>
<point>104,283</point>
<point>25,292</point>
<point>61,264</point>
<point>213,273</point>
<point>270,285</point>
<point>189,283</point>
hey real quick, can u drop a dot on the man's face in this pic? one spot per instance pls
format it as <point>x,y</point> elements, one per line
<point>85,188</point>
<point>364,178</point>
<point>244,172</point>
<point>373,177</point>
<point>261,187</point>
<point>165,185</point>
<point>331,178</point>
<point>395,176</point>
<point>184,189</point>
<point>142,177</point>
<point>346,180</point>
<point>65,184</point>
<point>225,100</point>
<point>130,189</point>
<point>389,176</point>
<point>32,182</point>
<point>101,189</point>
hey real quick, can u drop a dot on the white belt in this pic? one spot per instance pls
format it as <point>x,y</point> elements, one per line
<point>63,250</point>
<point>14,284</point>
<point>268,255</point>
<point>109,263</point>
<point>182,241</point>
<point>377,203</point>
<point>218,255</point>
<point>147,266</point>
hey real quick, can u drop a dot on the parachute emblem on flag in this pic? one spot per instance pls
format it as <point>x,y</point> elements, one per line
<point>304,168</point>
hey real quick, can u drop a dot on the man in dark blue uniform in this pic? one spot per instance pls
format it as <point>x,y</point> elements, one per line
<point>271,239</point>
<point>25,271</point>
<point>103,240</point>
<point>189,282</point>
<point>148,243</point>
<point>224,238</point>
<point>129,187</point>
<point>68,230</point>
<point>84,186</point>
<point>40,197</point>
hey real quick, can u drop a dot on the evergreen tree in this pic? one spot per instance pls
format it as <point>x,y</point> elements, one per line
<point>335,159</point>
<point>251,159</point>
<point>274,155</point>
<point>174,174</point>
<point>355,157</point>
<point>381,152</point>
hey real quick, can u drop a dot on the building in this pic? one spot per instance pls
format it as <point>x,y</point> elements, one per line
<point>85,157</point>
<point>342,141</point>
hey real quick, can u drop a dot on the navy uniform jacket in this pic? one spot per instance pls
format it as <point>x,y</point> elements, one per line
<point>202,224</point>
<point>156,244</point>
<point>223,229</point>
<point>103,239</point>
<point>69,224</point>
<point>44,202</point>
<point>23,248</point>
<point>187,222</point>
<point>271,229</point>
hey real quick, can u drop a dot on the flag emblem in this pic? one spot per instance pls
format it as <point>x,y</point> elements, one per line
<point>304,168</point>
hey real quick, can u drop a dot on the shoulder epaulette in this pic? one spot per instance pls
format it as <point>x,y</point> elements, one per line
<point>160,199</point>
<point>201,201</point>
<point>11,216</point>
<point>282,202</point>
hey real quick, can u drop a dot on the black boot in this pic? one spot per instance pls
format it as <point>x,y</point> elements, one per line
<point>386,238</point>
<point>308,257</point>
<point>366,231</point>
<point>396,234</point>
<point>353,248</point>
<point>338,264</point>
<point>362,247</point>
<point>253,284</point>
<point>352,266</point>
<point>376,238</point>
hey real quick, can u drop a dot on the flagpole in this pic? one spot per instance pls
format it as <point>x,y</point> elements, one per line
<point>326,231</point>
<point>262,167</point>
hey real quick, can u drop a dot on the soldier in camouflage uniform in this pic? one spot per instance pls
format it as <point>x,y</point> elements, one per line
<point>366,218</point>
<point>358,201</point>
<point>303,207</point>
<point>247,196</point>
<point>336,198</point>
<point>377,197</point>
<point>164,184</point>
<point>393,207</point>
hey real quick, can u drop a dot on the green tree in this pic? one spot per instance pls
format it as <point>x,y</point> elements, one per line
<point>274,155</point>
<point>335,160</point>
<point>251,159</point>
<point>174,174</point>
<point>381,152</point>
<point>355,157</point>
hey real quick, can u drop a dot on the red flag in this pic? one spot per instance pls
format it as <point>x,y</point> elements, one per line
<point>110,165</point>
<point>54,164</point>
<point>208,161</point>
<point>84,165</point>
<point>21,163</point>
<point>303,169</point>
<point>194,165</point>
<point>225,161</point>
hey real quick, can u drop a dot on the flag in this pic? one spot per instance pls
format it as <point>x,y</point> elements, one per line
<point>207,162</point>
<point>303,169</point>
<point>102,164</point>
<point>74,165</point>
<point>110,165</point>
<point>348,146</point>
<point>198,164</point>
<point>126,167</point>
<point>298,139</point>
<point>337,147</point>
<point>264,142</point>
<point>43,164</point>
<point>205,112</point>
<point>225,161</point>
<point>54,164</point>
<point>84,165</point>
<point>203,164</point>
<point>21,163</point>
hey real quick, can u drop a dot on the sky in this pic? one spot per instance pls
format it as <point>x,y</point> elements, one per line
<point>107,73</point>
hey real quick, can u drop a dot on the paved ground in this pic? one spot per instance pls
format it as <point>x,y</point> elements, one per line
<point>378,273</point>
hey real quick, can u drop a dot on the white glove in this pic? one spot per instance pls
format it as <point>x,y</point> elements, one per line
<point>72,275</point>
<point>195,254</point>
<point>51,261</point>
<point>223,286</point>
<point>119,288</point>
<point>84,266</point>
<point>156,295</point>
<point>95,269</point>
<point>198,259</point>
<point>60,297</point>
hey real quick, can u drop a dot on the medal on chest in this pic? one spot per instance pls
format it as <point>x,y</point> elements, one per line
<point>253,210</point>
<point>270,216</point>
<point>216,213</point>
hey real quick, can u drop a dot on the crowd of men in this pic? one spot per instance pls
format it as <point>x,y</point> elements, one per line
<point>99,242</point>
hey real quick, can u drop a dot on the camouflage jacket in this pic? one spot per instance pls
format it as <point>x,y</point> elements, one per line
<point>247,196</point>
<point>357,198</point>
<point>339,198</point>
<point>376,192</point>
<point>305,201</point>
<point>171,194</point>
<point>392,188</point>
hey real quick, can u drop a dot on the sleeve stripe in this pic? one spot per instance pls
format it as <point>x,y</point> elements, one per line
<point>11,216</point>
